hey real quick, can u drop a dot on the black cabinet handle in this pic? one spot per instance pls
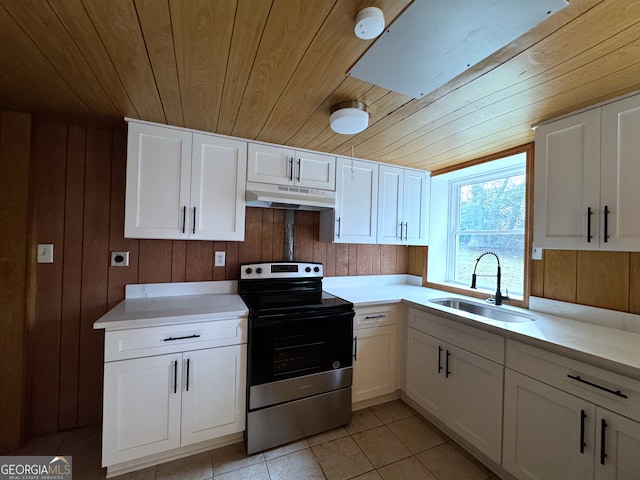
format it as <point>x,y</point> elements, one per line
<point>355,348</point>
<point>617,393</point>
<point>171,339</point>
<point>194,220</point>
<point>589,213</point>
<point>299,167</point>
<point>338,227</point>
<point>603,437</point>
<point>439,358</point>
<point>606,223</point>
<point>400,231</point>
<point>291,169</point>
<point>583,416</point>
<point>175,376</point>
<point>447,372</point>
<point>406,231</point>
<point>184,218</point>
<point>187,382</point>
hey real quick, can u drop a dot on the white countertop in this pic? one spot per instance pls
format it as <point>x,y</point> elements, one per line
<point>147,311</point>
<point>600,344</point>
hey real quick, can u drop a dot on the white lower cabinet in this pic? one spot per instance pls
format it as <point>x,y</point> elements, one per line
<point>562,424</point>
<point>459,387</point>
<point>374,362</point>
<point>161,402</point>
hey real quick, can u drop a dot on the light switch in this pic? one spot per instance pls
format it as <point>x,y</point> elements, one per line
<point>45,253</point>
<point>220,259</point>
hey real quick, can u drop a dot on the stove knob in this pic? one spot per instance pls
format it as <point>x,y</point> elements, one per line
<point>316,269</point>
<point>248,271</point>
<point>258,270</point>
<point>308,269</point>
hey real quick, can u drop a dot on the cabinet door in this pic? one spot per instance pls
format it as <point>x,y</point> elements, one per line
<point>474,400</point>
<point>142,402</point>
<point>213,398</point>
<point>158,182</point>
<point>390,204</point>
<point>269,164</point>
<point>566,183</point>
<point>621,442</point>
<point>356,209</point>
<point>620,173</point>
<point>426,371</point>
<point>542,431</point>
<point>374,367</point>
<point>415,207</point>
<point>314,170</point>
<point>218,177</point>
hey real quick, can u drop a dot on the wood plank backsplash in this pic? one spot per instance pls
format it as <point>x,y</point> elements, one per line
<point>599,279</point>
<point>78,195</point>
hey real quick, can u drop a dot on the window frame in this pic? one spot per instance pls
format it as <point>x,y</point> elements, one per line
<point>528,150</point>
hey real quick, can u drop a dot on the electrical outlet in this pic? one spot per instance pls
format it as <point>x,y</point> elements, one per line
<point>220,259</point>
<point>119,259</point>
<point>45,253</point>
<point>536,253</point>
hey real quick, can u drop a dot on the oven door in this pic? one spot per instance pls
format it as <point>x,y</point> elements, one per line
<point>295,345</point>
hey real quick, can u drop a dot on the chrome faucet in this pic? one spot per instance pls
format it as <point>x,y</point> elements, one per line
<point>498,298</point>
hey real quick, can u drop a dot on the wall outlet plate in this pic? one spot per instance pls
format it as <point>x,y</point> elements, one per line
<point>220,259</point>
<point>536,253</point>
<point>119,259</point>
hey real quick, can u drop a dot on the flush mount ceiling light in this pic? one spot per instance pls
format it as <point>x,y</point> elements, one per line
<point>349,117</point>
<point>369,23</point>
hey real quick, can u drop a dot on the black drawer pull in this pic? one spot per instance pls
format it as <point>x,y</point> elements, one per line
<point>171,339</point>
<point>373,317</point>
<point>617,393</point>
<point>439,358</point>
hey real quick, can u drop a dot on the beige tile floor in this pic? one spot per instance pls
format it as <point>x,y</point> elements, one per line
<point>389,441</point>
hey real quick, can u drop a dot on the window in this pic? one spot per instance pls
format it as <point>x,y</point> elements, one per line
<point>485,211</point>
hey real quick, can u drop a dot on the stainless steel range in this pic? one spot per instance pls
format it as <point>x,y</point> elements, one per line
<point>300,348</point>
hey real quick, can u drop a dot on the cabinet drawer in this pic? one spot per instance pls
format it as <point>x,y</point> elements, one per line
<point>143,342</point>
<point>589,382</point>
<point>486,344</point>
<point>374,316</point>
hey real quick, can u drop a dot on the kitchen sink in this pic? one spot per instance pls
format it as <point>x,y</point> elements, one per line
<point>488,311</point>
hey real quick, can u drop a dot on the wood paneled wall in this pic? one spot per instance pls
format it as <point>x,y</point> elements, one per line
<point>599,279</point>
<point>79,184</point>
<point>15,145</point>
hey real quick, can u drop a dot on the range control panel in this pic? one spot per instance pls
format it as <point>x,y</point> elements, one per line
<point>281,270</point>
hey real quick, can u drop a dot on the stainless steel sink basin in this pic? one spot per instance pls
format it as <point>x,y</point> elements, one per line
<point>488,311</point>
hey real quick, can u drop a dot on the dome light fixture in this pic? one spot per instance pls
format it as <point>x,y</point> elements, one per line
<point>369,23</point>
<point>349,118</point>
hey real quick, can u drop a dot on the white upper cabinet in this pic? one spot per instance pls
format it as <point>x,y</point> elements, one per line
<point>586,171</point>
<point>184,185</point>
<point>355,216</point>
<point>620,173</point>
<point>402,206</point>
<point>218,173</point>
<point>284,166</point>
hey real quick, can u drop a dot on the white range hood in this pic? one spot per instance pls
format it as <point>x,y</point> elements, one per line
<point>288,197</point>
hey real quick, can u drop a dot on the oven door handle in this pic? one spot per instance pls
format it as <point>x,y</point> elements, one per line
<point>284,319</point>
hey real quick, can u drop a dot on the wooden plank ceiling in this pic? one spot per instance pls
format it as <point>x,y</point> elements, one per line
<point>271,69</point>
